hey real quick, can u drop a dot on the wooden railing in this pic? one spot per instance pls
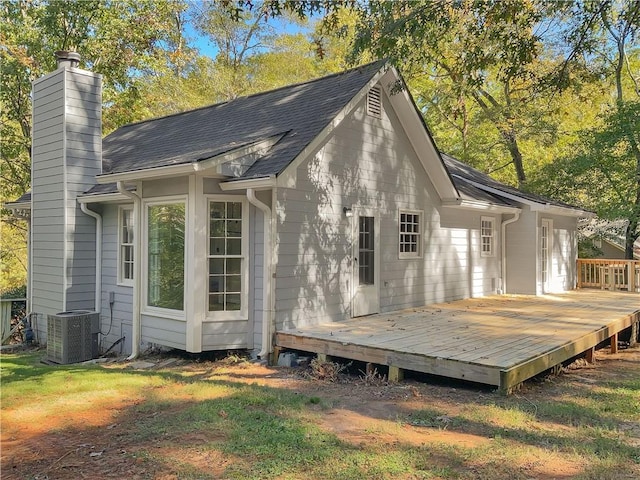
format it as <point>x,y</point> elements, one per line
<point>609,274</point>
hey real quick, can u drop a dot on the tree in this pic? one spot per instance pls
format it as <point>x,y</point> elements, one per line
<point>122,39</point>
<point>605,171</point>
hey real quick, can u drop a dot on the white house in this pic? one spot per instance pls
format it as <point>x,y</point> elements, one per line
<point>317,202</point>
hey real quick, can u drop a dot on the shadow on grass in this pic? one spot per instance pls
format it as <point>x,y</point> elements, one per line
<point>252,431</point>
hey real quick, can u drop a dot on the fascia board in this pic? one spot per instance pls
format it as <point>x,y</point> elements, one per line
<point>262,183</point>
<point>103,198</point>
<point>146,174</point>
<point>487,207</point>
<point>534,206</point>
<point>17,205</point>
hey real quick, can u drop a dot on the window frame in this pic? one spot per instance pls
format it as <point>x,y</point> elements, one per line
<point>121,280</point>
<point>420,234</point>
<point>242,313</point>
<point>492,237</point>
<point>145,307</point>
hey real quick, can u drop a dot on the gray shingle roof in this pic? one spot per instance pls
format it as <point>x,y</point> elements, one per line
<point>299,111</point>
<point>462,174</point>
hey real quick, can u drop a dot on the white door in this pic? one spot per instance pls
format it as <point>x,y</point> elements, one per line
<point>545,255</point>
<point>366,263</point>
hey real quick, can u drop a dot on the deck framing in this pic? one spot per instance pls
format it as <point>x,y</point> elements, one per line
<point>499,340</point>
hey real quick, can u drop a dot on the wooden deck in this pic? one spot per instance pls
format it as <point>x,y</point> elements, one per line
<point>499,340</point>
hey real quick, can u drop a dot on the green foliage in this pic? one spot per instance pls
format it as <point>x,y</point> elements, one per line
<point>603,174</point>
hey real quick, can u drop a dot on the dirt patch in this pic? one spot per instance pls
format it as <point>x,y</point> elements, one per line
<point>93,443</point>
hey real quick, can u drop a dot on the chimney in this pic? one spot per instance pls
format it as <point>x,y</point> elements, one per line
<point>66,157</point>
<point>66,59</point>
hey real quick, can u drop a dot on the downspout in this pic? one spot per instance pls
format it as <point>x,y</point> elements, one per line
<point>515,218</point>
<point>137,250</point>
<point>98,217</point>
<point>266,273</point>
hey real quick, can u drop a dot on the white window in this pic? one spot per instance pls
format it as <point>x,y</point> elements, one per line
<point>226,258</point>
<point>374,102</point>
<point>165,255</point>
<point>125,246</point>
<point>410,233</point>
<point>487,236</point>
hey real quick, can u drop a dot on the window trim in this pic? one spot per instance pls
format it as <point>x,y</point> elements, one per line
<point>492,238</point>
<point>420,234</point>
<point>241,314</point>
<point>121,281</point>
<point>145,308</point>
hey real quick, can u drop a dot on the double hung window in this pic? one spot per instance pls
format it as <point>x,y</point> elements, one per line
<point>226,256</point>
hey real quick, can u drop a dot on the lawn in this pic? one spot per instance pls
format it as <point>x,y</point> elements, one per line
<point>238,420</point>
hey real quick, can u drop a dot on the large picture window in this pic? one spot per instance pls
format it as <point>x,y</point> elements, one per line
<point>165,267</point>
<point>410,229</point>
<point>125,246</point>
<point>226,256</point>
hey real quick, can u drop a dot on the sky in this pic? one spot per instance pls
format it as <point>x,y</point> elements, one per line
<point>204,46</point>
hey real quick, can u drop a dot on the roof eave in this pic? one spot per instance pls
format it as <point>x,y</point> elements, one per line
<point>146,174</point>
<point>534,206</point>
<point>102,198</point>
<point>17,205</point>
<point>478,205</point>
<point>260,183</point>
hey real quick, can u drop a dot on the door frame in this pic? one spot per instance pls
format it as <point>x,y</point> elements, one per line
<point>356,289</point>
<point>546,273</point>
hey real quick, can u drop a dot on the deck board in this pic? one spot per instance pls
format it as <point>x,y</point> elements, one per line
<point>499,340</point>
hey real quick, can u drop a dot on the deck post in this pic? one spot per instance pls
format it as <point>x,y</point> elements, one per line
<point>396,374</point>
<point>614,343</point>
<point>275,356</point>
<point>324,358</point>
<point>590,355</point>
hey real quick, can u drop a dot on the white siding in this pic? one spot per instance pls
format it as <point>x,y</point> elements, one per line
<point>522,254</point>
<point>369,162</point>
<point>114,323</point>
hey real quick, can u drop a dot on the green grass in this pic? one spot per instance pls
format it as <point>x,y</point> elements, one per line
<point>276,433</point>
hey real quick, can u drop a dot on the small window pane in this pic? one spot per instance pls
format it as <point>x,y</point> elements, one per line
<point>216,302</point>
<point>217,210</point>
<point>233,265</point>
<point>234,210</point>
<point>234,228</point>
<point>216,266</point>
<point>233,302</point>
<point>233,283</point>
<point>234,246</point>
<point>216,228</point>
<point>215,283</point>
<point>216,246</point>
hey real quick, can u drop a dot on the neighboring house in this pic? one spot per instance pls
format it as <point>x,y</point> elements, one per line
<point>317,202</point>
<point>612,248</point>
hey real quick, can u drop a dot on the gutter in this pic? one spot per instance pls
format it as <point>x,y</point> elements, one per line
<point>137,250</point>
<point>98,217</point>
<point>267,311</point>
<point>515,218</point>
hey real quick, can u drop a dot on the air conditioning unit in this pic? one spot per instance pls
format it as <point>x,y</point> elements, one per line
<point>72,337</point>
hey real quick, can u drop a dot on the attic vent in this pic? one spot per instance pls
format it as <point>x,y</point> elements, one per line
<point>374,102</point>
